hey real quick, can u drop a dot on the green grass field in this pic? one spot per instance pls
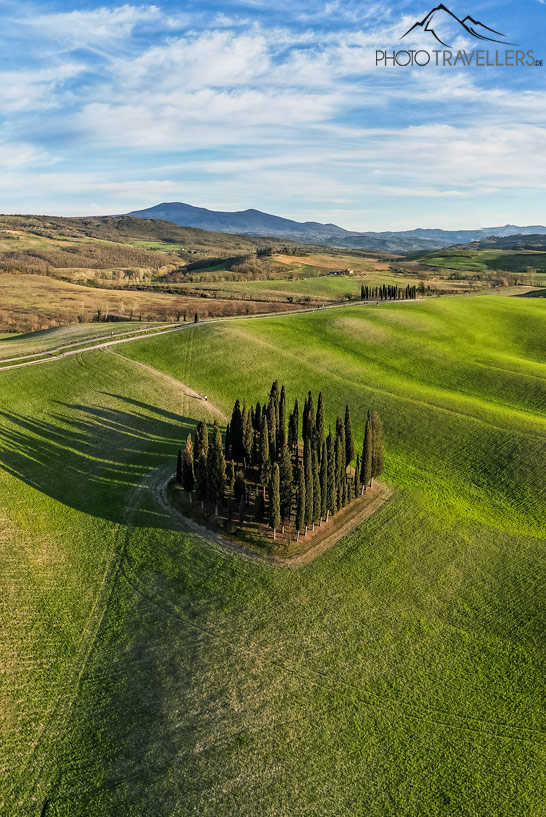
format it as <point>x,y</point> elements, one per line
<point>401,674</point>
<point>507,260</point>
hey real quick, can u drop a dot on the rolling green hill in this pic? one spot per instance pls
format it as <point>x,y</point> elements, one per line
<point>401,673</point>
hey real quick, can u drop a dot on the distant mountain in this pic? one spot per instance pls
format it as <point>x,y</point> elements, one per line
<point>256,223</point>
<point>445,27</point>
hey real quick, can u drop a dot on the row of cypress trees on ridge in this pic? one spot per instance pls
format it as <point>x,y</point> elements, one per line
<point>292,480</point>
<point>387,292</point>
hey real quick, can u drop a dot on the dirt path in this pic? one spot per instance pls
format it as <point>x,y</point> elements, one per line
<point>347,522</point>
<point>207,405</point>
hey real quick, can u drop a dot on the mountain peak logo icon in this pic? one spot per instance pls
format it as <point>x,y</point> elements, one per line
<point>445,26</point>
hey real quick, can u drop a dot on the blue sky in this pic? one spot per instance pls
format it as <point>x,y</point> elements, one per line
<point>275,105</point>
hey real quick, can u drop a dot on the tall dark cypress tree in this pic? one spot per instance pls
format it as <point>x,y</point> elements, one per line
<point>323,480</point>
<point>179,466</point>
<point>310,418</point>
<point>316,488</point>
<point>320,424</point>
<point>331,484</point>
<point>309,505</point>
<point>286,479</point>
<point>357,477</point>
<point>292,437</point>
<point>236,429</point>
<point>378,446</point>
<point>201,478</point>
<point>258,417</point>
<point>274,499</point>
<point>274,401</point>
<point>216,467</point>
<point>300,505</point>
<point>340,460</point>
<point>265,462</point>
<point>349,443</point>
<point>188,474</point>
<point>366,462</point>
<point>281,436</point>
<point>248,435</point>
<point>272,430</point>
<point>227,442</point>
<point>296,416</point>
<point>201,441</point>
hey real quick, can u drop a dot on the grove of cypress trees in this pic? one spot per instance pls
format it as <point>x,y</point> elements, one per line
<point>286,479</point>
<point>274,499</point>
<point>300,504</point>
<point>349,443</point>
<point>378,447</point>
<point>188,475</point>
<point>366,462</point>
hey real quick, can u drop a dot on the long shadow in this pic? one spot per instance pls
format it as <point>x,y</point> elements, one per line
<point>91,457</point>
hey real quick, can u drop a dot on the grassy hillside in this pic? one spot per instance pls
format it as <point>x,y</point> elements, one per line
<point>402,673</point>
<point>514,262</point>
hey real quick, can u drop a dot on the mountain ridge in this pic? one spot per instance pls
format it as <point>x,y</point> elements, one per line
<point>257,223</point>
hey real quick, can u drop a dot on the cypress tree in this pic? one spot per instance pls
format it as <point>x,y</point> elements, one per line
<point>300,505</point>
<point>274,499</point>
<point>316,489</point>
<point>296,416</point>
<point>323,480</point>
<point>378,446</point>
<point>248,435</point>
<point>331,481</point>
<point>179,466</point>
<point>265,464</point>
<point>310,418</point>
<point>366,462</point>
<point>286,479</point>
<point>320,423</point>
<point>227,442</point>
<point>239,488</point>
<point>357,477</point>
<point>201,441</point>
<point>236,433</point>
<point>340,460</point>
<point>258,417</point>
<point>349,443</point>
<point>259,509</point>
<point>196,318</point>
<point>188,475</point>
<point>291,435</point>
<point>274,401</point>
<point>201,478</point>
<point>309,505</point>
<point>281,435</point>
<point>272,430</point>
<point>216,467</point>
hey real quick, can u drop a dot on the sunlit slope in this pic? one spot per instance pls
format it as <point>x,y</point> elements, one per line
<point>402,673</point>
<point>460,383</point>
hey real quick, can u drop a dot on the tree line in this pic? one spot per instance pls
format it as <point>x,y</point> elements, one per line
<point>388,292</point>
<point>296,471</point>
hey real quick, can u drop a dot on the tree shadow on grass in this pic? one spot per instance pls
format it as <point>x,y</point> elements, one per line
<point>92,457</point>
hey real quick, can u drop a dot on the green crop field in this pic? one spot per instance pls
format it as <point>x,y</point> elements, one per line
<point>401,674</point>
